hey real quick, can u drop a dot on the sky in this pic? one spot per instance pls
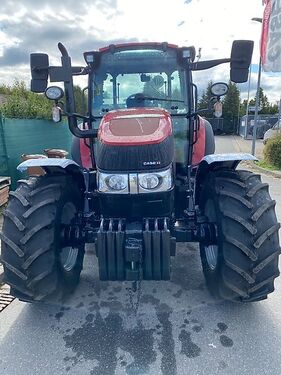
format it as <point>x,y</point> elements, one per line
<point>28,26</point>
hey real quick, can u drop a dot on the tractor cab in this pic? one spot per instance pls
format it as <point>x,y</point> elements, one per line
<point>144,76</point>
<point>135,76</point>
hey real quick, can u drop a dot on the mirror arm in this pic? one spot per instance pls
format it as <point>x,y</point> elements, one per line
<point>63,50</point>
<point>72,122</point>
<point>210,108</point>
<point>61,104</point>
<point>77,115</point>
<point>80,70</point>
<point>202,65</point>
<point>203,110</point>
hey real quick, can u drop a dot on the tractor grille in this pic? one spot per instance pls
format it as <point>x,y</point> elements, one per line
<point>135,158</point>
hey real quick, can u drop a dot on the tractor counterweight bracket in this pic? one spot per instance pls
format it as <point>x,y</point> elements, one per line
<point>134,251</point>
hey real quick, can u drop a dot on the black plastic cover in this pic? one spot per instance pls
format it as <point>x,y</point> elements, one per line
<point>241,56</point>
<point>39,64</point>
<point>38,85</point>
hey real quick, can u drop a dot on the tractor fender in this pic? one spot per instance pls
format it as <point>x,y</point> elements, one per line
<point>55,165</point>
<point>205,144</point>
<point>81,153</point>
<point>214,162</point>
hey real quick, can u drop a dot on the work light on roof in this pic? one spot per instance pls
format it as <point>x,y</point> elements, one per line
<point>186,53</point>
<point>89,57</point>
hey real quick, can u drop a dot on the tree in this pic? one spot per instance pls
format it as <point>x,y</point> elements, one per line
<point>80,100</point>
<point>20,102</point>
<point>243,107</point>
<point>264,103</point>
<point>204,101</point>
<point>5,89</point>
<point>266,108</point>
<point>274,108</point>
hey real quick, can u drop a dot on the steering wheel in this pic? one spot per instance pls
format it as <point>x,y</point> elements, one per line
<point>135,100</point>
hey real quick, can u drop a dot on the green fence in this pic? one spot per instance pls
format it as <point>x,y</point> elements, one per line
<point>3,150</point>
<point>20,136</point>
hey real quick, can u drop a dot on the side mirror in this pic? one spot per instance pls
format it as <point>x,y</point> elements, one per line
<point>219,89</point>
<point>38,85</point>
<point>241,56</point>
<point>39,66</point>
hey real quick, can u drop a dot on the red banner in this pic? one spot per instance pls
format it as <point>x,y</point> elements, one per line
<point>271,36</point>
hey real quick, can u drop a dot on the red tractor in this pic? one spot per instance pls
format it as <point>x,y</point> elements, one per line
<point>143,176</point>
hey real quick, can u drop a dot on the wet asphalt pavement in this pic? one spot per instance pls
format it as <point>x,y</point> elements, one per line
<point>178,329</point>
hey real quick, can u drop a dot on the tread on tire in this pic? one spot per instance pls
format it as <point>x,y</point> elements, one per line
<point>31,244</point>
<point>247,236</point>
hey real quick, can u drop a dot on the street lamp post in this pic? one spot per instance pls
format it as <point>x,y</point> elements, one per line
<point>256,111</point>
<point>279,114</point>
<point>257,100</point>
<point>238,116</point>
<point>248,102</point>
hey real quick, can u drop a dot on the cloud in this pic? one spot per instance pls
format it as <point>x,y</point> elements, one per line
<point>14,56</point>
<point>33,26</point>
<point>79,7</point>
<point>38,25</point>
<point>35,36</point>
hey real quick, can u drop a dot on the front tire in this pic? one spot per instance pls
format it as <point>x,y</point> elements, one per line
<point>243,262</point>
<point>37,265</point>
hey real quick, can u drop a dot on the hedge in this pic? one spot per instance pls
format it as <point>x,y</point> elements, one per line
<point>272,151</point>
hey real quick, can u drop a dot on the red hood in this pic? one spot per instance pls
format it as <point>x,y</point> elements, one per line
<point>135,126</point>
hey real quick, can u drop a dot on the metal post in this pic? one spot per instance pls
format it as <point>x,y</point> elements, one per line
<point>238,115</point>
<point>279,116</point>
<point>257,100</point>
<point>248,102</point>
<point>256,111</point>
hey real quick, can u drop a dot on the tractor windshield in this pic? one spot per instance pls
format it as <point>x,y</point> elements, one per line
<point>139,78</point>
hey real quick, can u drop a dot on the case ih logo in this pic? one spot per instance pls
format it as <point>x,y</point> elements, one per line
<point>151,163</point>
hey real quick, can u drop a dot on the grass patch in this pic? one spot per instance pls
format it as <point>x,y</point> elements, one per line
<point>266,165</point>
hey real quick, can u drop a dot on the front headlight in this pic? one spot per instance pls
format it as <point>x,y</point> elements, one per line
<point>113,183</point>
<point>155,181</point>
<point>149,181</point>
<point>134,183</point>
<point>117,182</point>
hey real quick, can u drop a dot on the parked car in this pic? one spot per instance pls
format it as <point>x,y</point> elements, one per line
<point>272,132</point>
